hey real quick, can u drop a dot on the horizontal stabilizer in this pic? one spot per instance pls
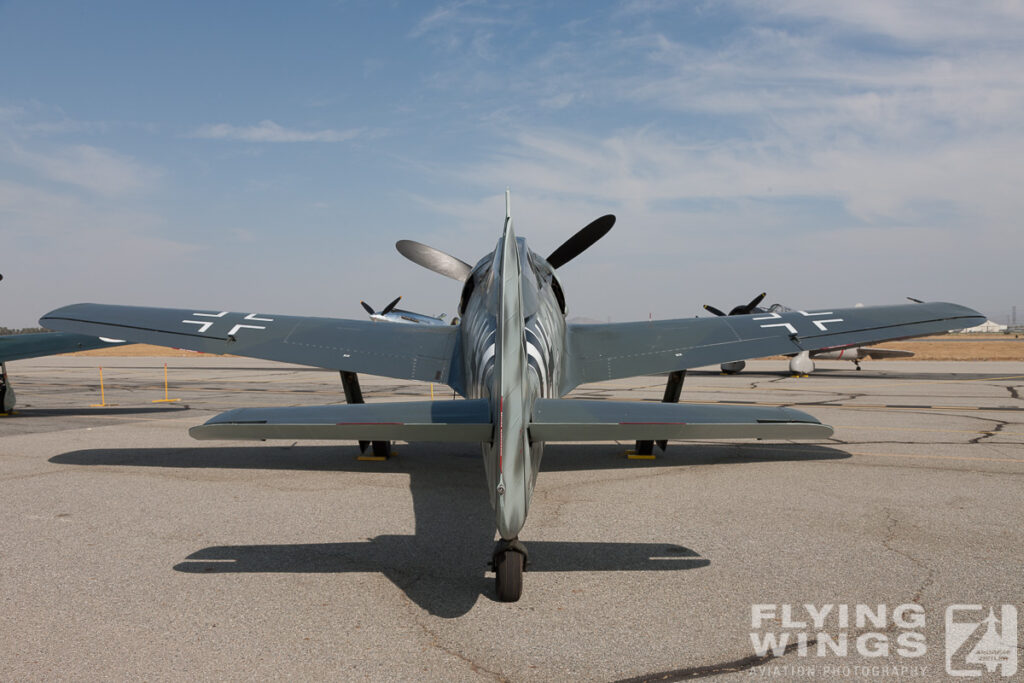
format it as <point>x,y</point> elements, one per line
<point>583,420</point>
<point>408,421</point>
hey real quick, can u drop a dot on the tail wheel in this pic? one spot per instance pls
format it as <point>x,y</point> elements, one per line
<point>508,575</point>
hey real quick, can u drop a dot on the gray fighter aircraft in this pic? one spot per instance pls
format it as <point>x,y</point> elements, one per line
<point>803,363</point>
<point>21,346</point>
<point>512,357</point>
<point>391,314</point>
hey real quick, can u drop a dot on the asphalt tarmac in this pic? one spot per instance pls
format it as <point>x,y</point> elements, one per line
<point>130,551</point>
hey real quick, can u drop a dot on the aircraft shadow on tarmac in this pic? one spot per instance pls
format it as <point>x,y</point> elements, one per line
<point>442,566</point>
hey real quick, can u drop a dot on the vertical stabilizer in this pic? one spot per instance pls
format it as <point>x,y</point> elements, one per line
<point>510,368</point>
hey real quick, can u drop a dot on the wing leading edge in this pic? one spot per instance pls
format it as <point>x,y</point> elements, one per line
<point>617,350</point>
<point>419,352</point>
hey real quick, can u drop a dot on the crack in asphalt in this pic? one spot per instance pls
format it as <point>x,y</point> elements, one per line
<point>1013,392</point>
<point>475,667</point>
<point>888,543</point>
<point>1000,425</point>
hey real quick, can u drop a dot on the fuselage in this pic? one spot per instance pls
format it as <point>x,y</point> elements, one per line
<point>513,335</point>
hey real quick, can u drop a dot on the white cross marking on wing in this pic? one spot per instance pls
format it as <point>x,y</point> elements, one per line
<point>236,328</point>
<point>821,323</point>
<point>203,325</point>
<point>792,330</point>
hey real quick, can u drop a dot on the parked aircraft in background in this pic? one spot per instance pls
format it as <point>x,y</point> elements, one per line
<point>512,357</point>
<point>20,346</point>
<point>396,315</point>
<point>802,363</point>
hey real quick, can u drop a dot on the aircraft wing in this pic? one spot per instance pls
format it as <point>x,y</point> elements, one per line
<point>419,352</point>
<point>615,350</point>
<point>19,346</point>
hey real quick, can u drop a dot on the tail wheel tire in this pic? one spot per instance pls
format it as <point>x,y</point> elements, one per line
<point>508,575</point>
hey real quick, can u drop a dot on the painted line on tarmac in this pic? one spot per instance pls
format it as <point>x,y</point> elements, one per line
<point>936,457</point>
<point>923,429</point>
<point>865,406</point>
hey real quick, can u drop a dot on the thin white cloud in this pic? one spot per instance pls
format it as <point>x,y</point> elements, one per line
<point>268,131</point>
<point>93,168</point>
<point>60,247</point>
<point>937,21</point>
<point>448,16</point>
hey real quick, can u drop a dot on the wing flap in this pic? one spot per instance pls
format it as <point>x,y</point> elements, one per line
<point>586,420</point>
<point>405,421</point>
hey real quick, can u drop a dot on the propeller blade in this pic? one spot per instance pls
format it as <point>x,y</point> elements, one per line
<point>434,259</point>
<point>581,241</point>
<point>368,307</point>
<point>755,301</point>
<point>387,309</point>
<point>712,309</point>
<point>916,301</point>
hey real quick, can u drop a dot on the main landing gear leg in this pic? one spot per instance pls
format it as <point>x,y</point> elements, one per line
<point>353,394</point>
<point>508,563</point>
<point>673,388</point>
<point>6,392</point>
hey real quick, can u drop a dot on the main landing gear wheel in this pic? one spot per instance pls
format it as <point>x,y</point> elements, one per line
<point>509,562</point>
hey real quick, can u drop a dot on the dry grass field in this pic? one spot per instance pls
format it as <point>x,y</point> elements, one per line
<point>944,347</point>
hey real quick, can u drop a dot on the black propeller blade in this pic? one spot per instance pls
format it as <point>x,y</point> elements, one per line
<point>743,310</point>
<point>434,259</point>
<point>581,241</point>
<point>739,310</point>
<point>387,309</point>
<point>457,269</point>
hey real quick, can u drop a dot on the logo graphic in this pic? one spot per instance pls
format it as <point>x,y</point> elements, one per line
<point>976,642</point>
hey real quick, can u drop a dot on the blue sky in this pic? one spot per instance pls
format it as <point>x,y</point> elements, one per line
<point>265,157</point>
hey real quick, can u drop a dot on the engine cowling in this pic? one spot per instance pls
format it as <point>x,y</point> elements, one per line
<point>733,367</point>
<point>801,363</point>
